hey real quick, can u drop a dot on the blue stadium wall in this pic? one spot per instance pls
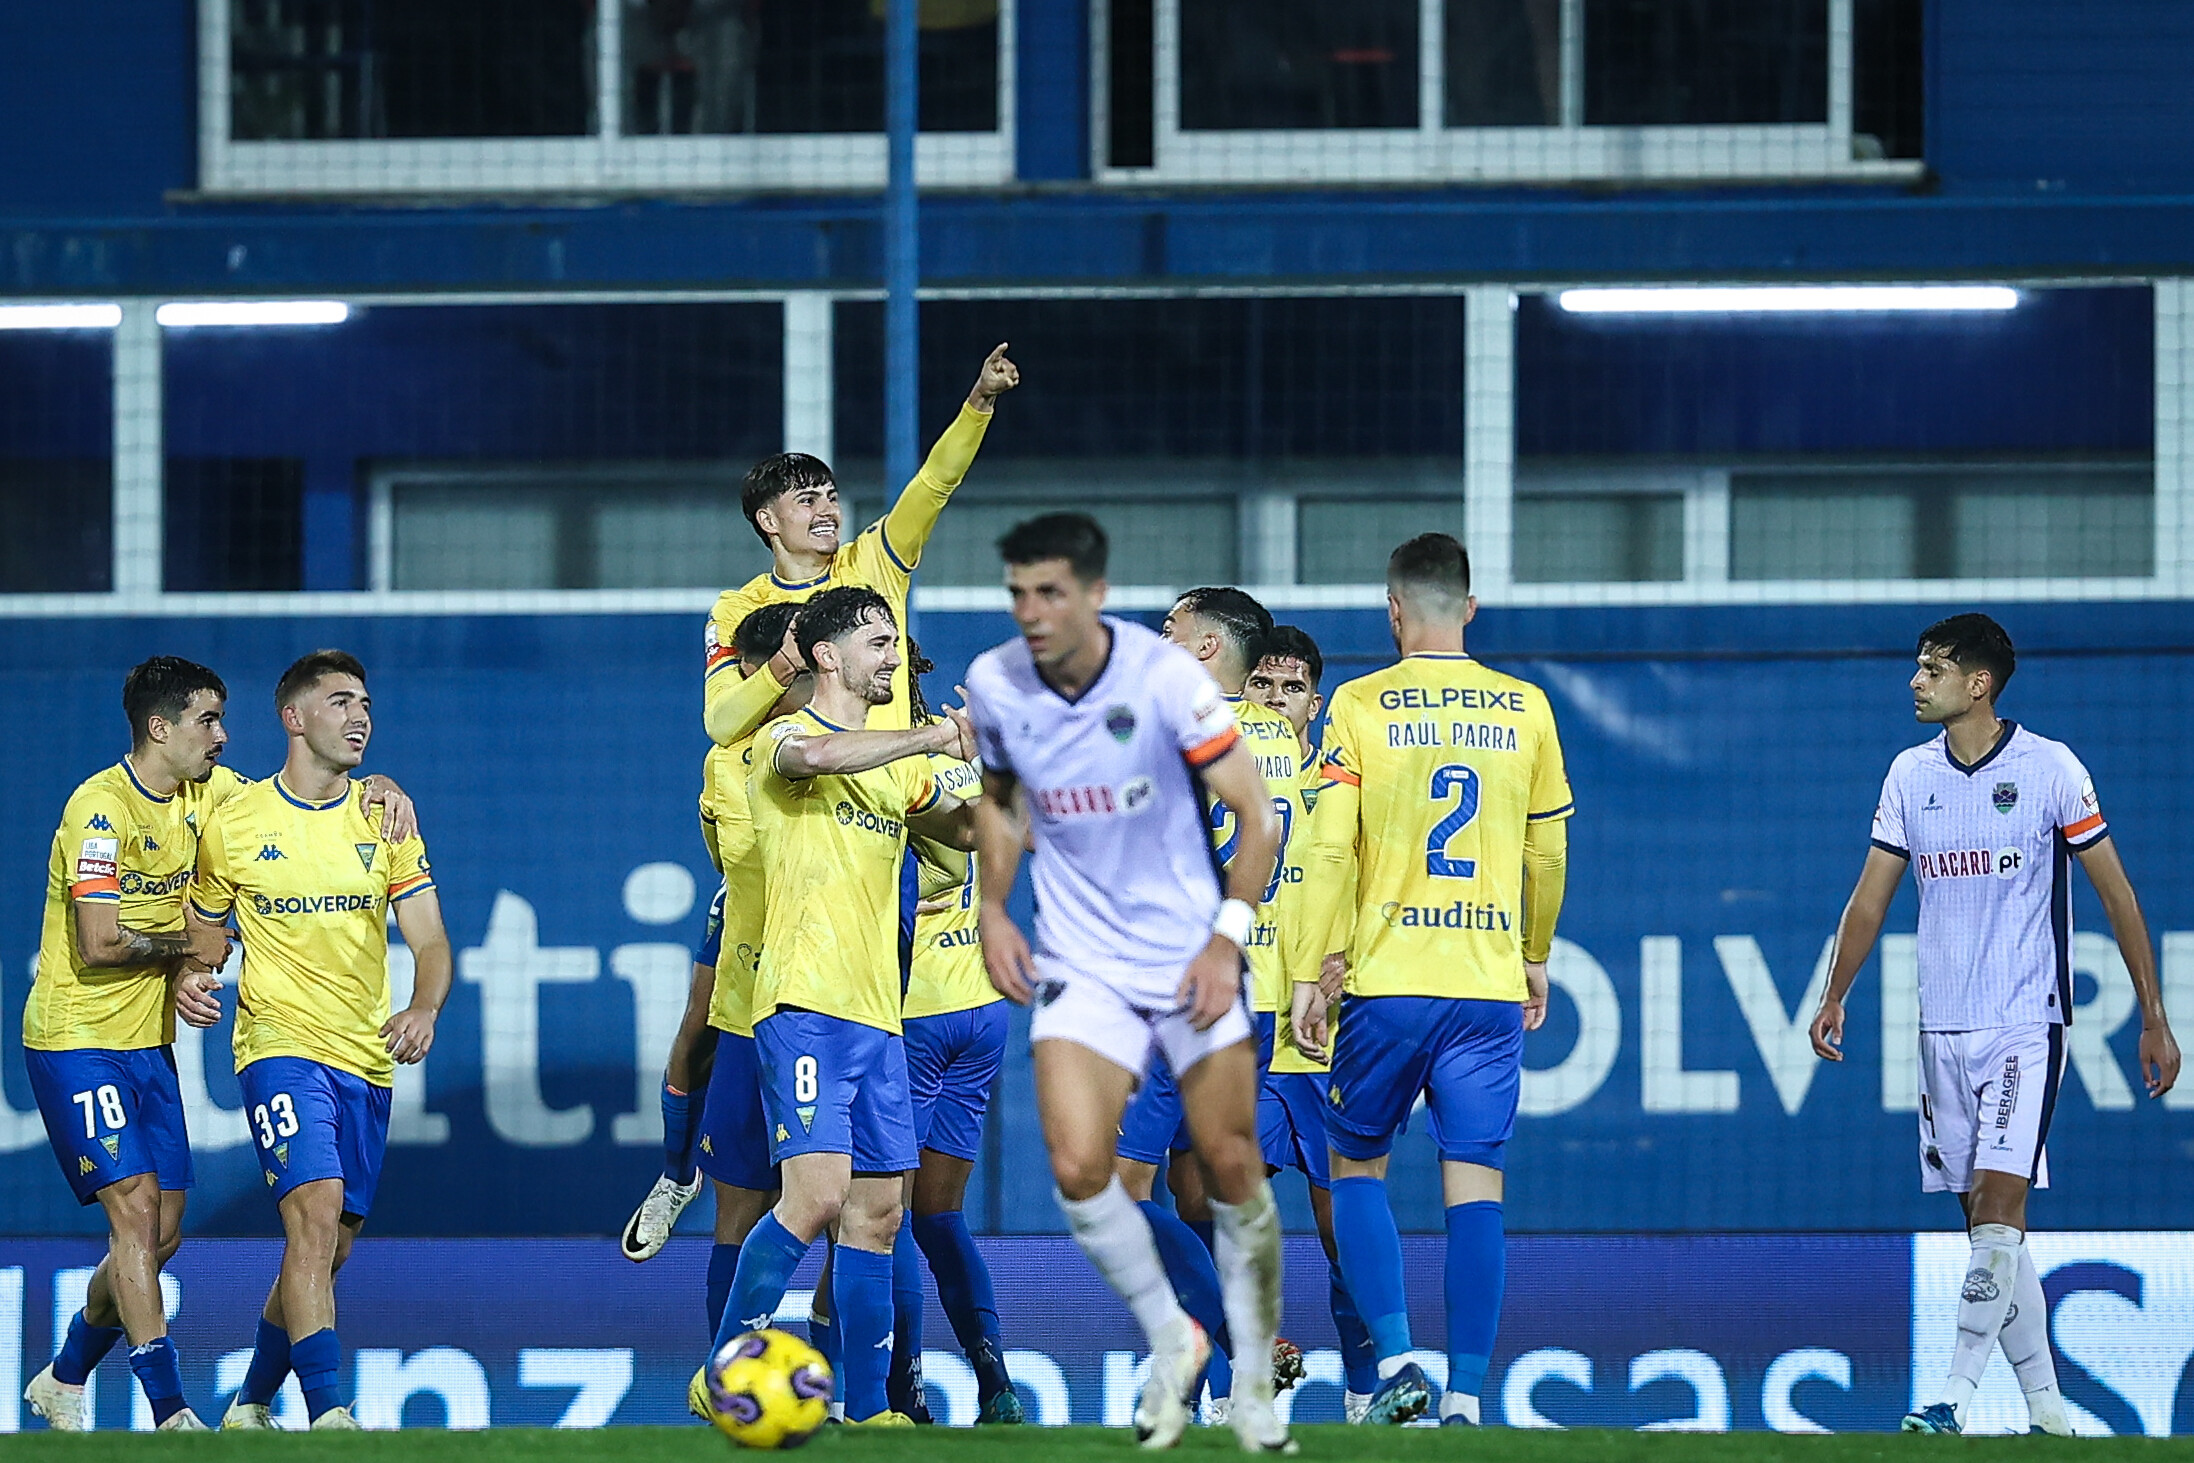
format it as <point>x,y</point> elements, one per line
<point>1725,763</point>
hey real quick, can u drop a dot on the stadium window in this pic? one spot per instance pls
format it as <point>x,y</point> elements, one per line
<point>1221,412</point>
<point>1575,538</point>
<point>1705,62</point>
<point>1298,64</point>
<point>575,94</point>
<point>2011,444</point>
<point>56,464</point>
<point>1504,63</point>
<point>1346,540</point>
<point>478,446</point>
<point>233,523</point>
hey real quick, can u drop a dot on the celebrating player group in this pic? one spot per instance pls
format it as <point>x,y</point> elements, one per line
<point>1254,948</point>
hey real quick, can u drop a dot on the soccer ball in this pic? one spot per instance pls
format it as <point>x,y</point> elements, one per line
<point>768,1389</point>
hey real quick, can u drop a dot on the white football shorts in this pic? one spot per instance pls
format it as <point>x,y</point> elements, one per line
<point>1986,1098</point>
<point>1120,1019</point>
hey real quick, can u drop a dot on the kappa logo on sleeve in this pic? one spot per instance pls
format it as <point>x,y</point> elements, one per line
<point>99,823</point>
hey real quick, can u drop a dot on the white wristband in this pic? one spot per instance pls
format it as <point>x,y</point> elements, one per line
<point>1234,921</point>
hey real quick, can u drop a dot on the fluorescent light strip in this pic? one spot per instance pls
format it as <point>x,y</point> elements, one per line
<point>1790,299</point>
<point>60,317</point>
<point>181,314</point>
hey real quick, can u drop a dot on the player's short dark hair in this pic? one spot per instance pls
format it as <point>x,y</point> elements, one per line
<point>162,687</point>
<point>777,475</point>
<point>1241,621</point>
<point>835,614</point>
<point>1973,642</point>
<point>762,633</point>
<point>1293,642</point>
<point>1435,565</point>
<point>1075,537</point>
<point>305,673</point>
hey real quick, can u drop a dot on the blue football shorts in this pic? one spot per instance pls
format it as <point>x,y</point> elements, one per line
<point>733,1147</point>
<point>1466,1057</point>
<point>953,1062</point>
<point>310,1121</point>
<point>1291,1122</point>
<point>835,1086</point>
<point>111,1115</point>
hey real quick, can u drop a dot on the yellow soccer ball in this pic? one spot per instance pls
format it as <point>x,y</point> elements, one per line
<point>768,1389</point>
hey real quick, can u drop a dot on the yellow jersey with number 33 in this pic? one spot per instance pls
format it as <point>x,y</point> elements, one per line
<point>1451,760</point>
<point>311,884</point>
<point>831,847</point>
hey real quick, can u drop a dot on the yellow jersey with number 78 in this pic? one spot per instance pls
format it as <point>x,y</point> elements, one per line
<point>1450,761</point>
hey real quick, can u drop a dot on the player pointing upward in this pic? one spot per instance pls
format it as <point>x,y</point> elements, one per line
<point>1103,733</point>
<point>1987,816</point>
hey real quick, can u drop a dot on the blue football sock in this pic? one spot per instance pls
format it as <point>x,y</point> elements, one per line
<point>161,1375</point>
<point>83,1349</point>
<point>861,1298</point>
<point>318,1362</point>
<point>681,1120</point>
<point>1371,1261</point>
<point>766,1262</point>
<point>1477,1273</point>
<point>906,1320</point>
<point>963,1285</point>
<point>723,1263</point>
<point>269,1365</point>
<point>1195,1277</point>
<point>1359,1358</point>
<point>824,1332</point>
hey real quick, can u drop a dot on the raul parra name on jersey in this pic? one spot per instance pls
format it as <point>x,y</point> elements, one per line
<point>1484,736</point>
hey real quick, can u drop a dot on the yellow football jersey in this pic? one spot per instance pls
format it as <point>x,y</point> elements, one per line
<point>710,806</point>
<point>1302,950</point>
<point>731,1001</point>
<point>118,843</point>
<point>1271,740</point>
<point>311,884</point>
<point>948,973</point>
<point>831,847</point>
<point>1451,759</point>
<point>881,557</point>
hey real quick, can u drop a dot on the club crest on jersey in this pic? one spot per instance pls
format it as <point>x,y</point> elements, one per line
<point>1120,721</point>
<point>807,1118</point>
<point>113,1145</point>
<point>365,855</point>
<point>2005,797</point>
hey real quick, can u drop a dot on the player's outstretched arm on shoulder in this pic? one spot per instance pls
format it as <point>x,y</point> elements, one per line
<point>797,756</point>
<point>2159,1049</point>
<point>410,1032</point>
<point>399,815</point>
<point>1856,932</point>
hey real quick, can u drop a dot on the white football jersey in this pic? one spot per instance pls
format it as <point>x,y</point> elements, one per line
<point>1125,881</point>
<point>1991,845</point>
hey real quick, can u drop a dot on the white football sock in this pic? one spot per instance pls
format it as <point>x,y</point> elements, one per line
<point>1984,1299</point>
<point>2025,1343</point>
<point>1116,1237</point>
<point>1462,1403</point>
<point>1247,1247</point>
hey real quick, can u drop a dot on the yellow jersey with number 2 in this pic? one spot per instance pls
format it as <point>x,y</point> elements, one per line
<point>1449,761</point>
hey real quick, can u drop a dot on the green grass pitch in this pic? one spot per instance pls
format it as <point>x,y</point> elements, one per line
<point>1072,1445</point>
